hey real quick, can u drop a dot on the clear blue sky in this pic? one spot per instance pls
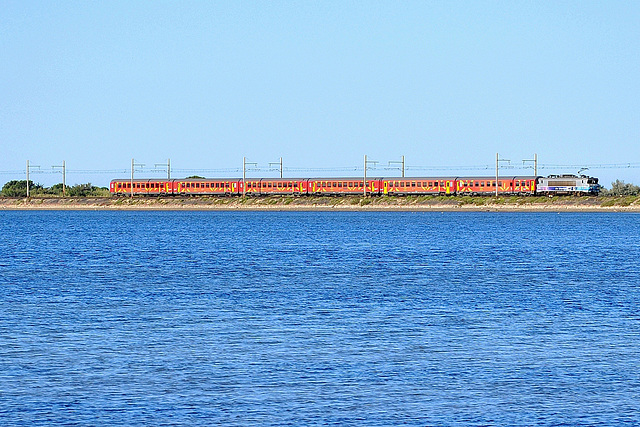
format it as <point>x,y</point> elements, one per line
<point>204,83</point>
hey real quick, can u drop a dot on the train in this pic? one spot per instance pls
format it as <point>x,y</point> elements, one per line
<point>451,186</point>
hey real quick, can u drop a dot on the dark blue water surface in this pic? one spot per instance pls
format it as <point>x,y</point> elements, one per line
<point>303,318</point>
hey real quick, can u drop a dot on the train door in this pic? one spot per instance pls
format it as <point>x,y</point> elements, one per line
<point>448,187</point>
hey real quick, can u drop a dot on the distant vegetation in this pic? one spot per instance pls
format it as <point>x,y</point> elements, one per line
<point>19,189</point>
<point>620,188</point>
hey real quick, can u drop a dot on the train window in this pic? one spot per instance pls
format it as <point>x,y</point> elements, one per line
<point>340,184</point>
<point>413,184</point>
<point>333,184</point>
<point>269,185</point>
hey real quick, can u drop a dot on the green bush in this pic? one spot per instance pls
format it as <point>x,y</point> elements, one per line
<point>19,188</point>
<point>620,188</point>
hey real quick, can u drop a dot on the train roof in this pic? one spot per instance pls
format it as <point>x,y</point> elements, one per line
<point>520,177</point>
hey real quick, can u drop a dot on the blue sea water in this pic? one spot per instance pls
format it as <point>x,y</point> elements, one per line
<point>307,318</point>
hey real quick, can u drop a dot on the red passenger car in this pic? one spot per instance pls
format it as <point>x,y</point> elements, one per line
<point>141,187</point>
<point>280,186</point>
<point>483,185</point>
<point>343,186</point>
<point>405,186</point>
<point>213,187</point>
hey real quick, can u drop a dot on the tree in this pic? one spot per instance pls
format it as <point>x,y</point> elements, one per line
<point>17,188</point>
<point>620,188</point>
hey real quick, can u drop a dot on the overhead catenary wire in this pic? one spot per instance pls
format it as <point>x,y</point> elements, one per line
<point>449,168</point>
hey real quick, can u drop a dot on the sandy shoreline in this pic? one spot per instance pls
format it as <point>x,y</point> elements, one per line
<point>591,204</point>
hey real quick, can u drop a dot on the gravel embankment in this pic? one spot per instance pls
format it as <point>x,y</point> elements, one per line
<point>352,203</point>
